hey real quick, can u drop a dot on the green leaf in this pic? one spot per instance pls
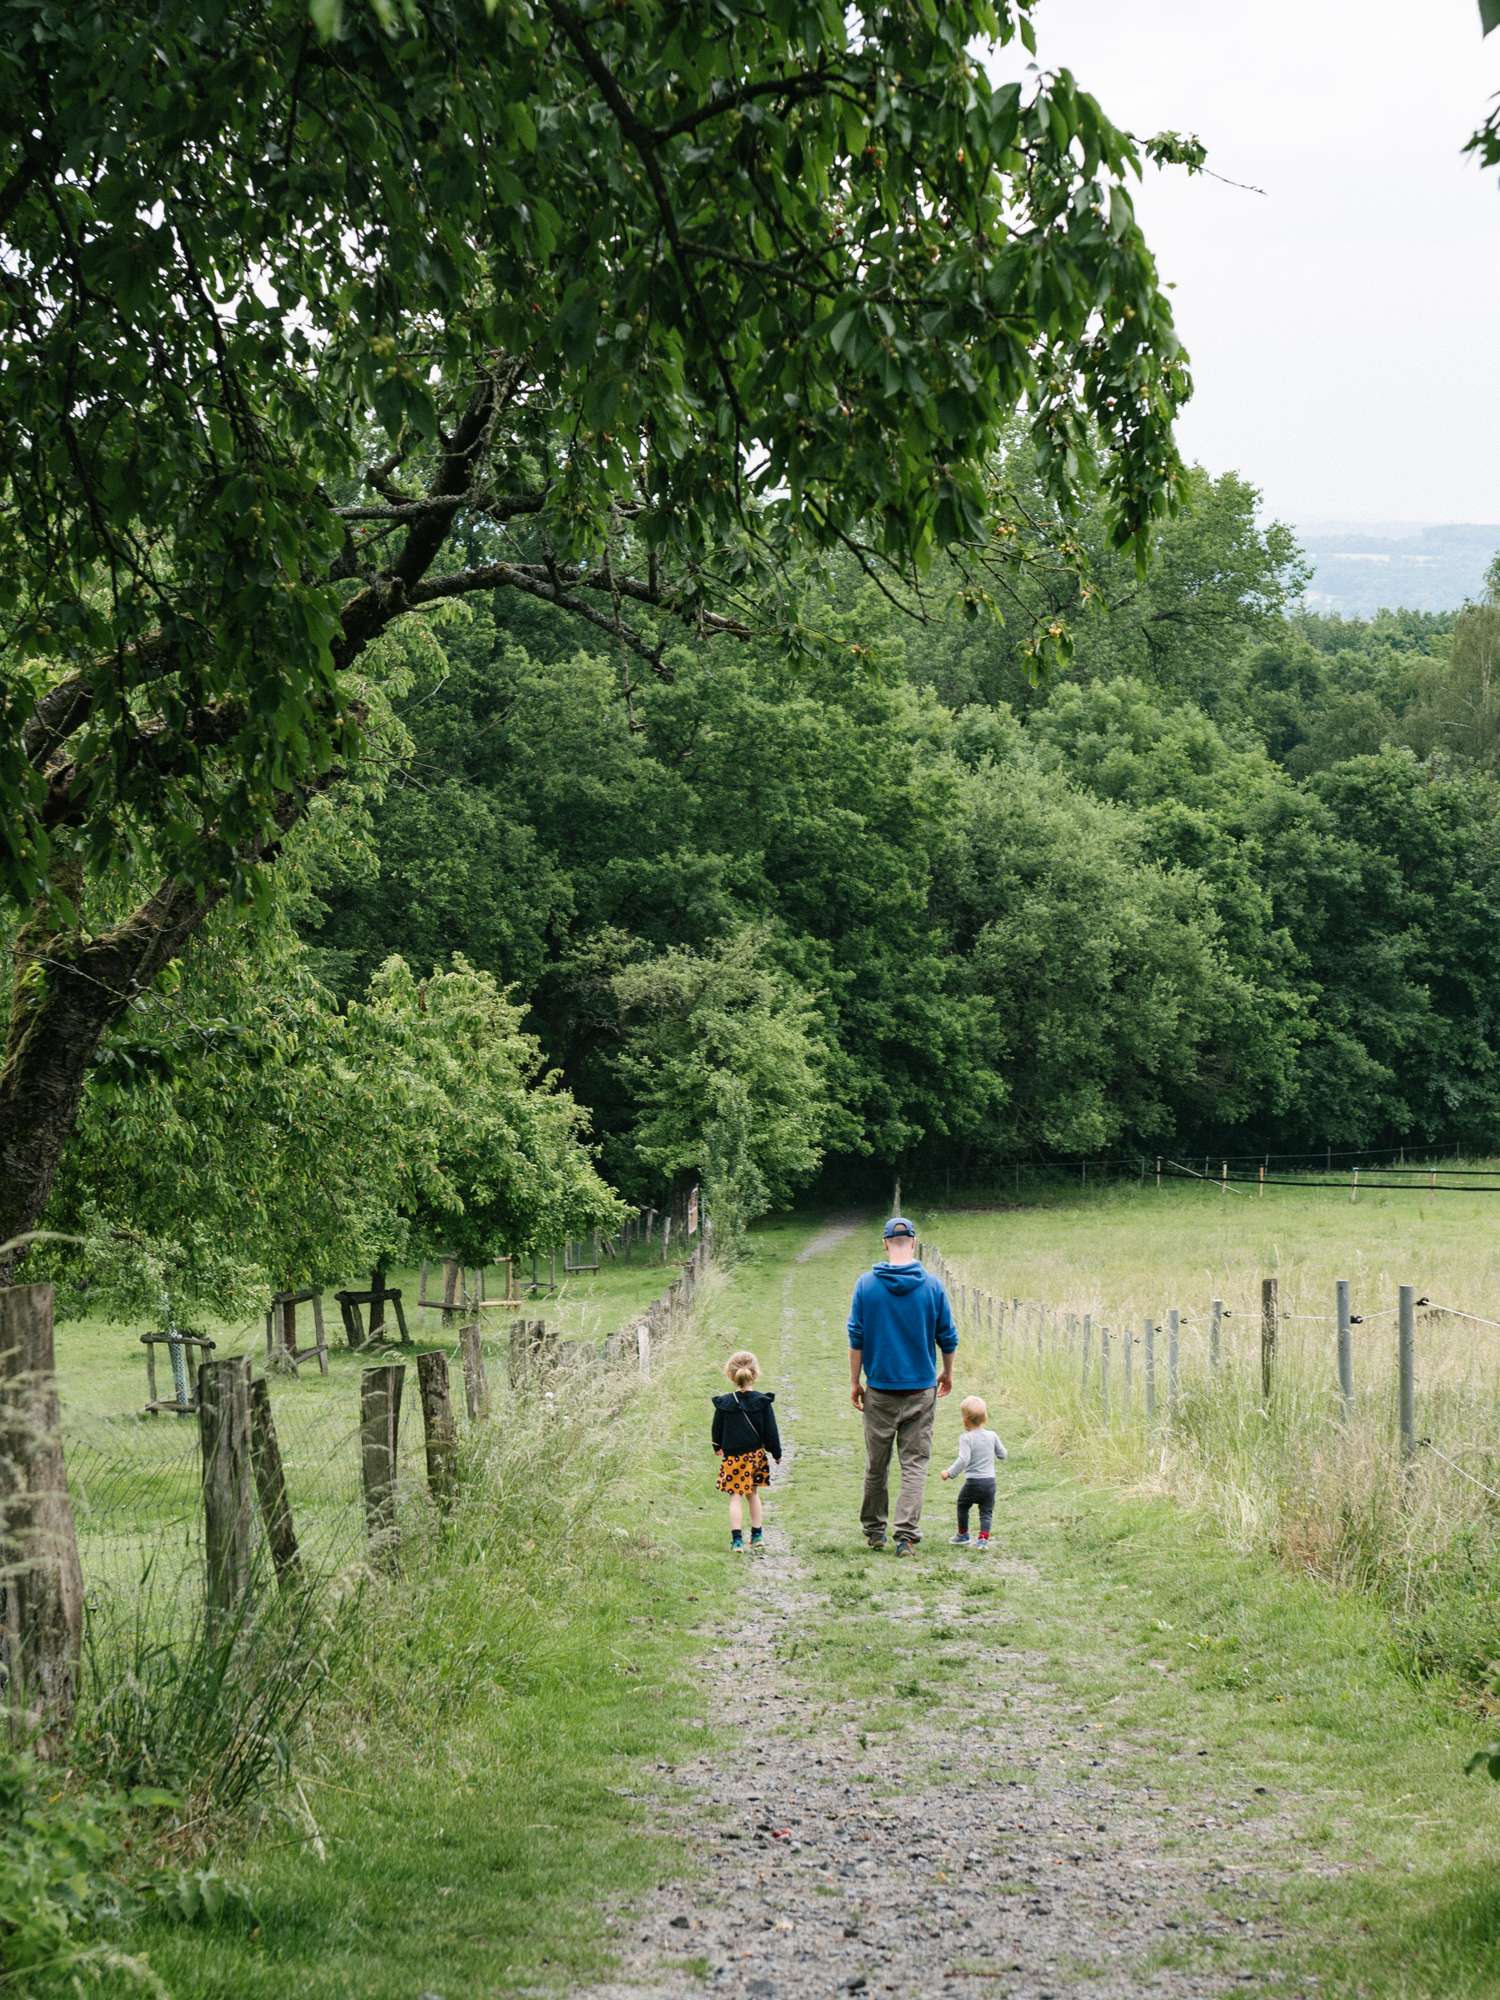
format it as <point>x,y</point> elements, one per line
<point>327,17</point>
<point>1489,15</point>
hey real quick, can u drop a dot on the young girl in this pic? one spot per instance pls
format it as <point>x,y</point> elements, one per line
<point>978,1450</point>
<point>744,1435</point>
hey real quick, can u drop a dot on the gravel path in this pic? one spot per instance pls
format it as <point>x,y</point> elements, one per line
<point>828,1867</point>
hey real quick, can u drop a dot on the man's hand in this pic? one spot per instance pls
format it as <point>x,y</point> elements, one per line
<point>856,1369</point>
<point>945,1382</point>
<point>857,1395</point>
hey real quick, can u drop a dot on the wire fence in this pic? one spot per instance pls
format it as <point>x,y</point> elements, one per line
<point>1419,1376</point>
<point>136,1475</point>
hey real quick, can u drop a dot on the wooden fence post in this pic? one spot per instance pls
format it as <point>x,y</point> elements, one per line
<point>1215,1319</point>
<point>438,1427</point>
<point>1406,1368</point>
<point>1150,1370</point>
<point>476,1386</point>
<point>1269,1320</point>
<point>1088,1341</point>
<point>1346,1346</point>
<point>379,1431</point>
<point>228,1508</point>
<point>270,1485</point>
<point>1128,1338</point>
<point>41,1628</point>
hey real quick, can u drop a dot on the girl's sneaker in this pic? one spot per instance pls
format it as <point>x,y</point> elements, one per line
<point>757,1542</point>
<point>961,1541</point>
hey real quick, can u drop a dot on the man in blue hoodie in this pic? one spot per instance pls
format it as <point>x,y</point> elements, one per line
<point>900,1321</point>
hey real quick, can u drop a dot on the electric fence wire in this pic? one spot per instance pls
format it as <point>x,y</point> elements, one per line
<point>1462,1471</point>
<point>1239,1182</point>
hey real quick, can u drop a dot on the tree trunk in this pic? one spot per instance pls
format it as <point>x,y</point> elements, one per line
<point>68,990</point>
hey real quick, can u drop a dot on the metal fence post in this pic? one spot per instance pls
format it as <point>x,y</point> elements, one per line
<point>1346,1347</point>
<point>1104,1371</point>
<point>1173,1324</point>
<point>1406,1367</point>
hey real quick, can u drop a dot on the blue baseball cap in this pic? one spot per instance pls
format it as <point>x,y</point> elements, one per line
<point>898,1226</point>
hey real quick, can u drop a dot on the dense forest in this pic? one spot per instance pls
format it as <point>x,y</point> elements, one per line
<point>864,891</point>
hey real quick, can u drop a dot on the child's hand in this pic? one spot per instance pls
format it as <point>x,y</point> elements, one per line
<point>944,1475</point>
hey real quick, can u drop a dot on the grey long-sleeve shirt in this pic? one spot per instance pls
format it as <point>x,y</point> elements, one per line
<point>977,1452</point>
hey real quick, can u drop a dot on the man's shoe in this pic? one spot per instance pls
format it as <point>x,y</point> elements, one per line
<point>906,1548</point>
<point>961,1541</point>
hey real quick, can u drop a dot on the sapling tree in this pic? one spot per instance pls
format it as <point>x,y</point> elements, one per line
<point>319,316</point>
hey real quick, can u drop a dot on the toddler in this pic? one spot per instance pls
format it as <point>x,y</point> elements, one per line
<point>746,1438</point>
<point>978,1450</point>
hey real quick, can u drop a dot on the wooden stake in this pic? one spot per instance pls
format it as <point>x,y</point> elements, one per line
<point>41,1604</point>
<point>379,1432</point>
<point>270,1486</point>
<point>476,1384</point>
<point>228,1509</point>
<point>1150,1369</point>
<point>1269,1320</point>
<point>438,1427</point>
<point>1215,1319</point>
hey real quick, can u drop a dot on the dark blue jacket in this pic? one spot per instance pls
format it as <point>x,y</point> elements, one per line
<point>898,1318</point>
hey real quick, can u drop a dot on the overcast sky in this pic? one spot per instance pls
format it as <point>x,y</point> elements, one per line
<point>1344,328</point>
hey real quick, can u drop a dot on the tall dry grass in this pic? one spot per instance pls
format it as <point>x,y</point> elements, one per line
<point>1328,1492</point>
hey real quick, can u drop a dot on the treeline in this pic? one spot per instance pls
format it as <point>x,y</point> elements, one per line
<point>861,891</point>
<point>1234,874</point>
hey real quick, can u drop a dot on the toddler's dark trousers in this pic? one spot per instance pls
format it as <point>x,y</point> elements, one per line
<point>978,1493</point>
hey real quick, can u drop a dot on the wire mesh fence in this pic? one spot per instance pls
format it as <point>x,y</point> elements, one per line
<point>1321,1397</point>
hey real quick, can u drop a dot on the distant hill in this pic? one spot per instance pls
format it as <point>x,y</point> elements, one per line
<point>1365,567</point>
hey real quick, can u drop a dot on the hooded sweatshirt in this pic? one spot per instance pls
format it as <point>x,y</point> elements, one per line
<point>745,1421</point>
<point>898,1318</point>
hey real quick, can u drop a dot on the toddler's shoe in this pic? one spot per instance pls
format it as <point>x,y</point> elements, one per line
<point>961,1541</point>
<point>984,1541</point>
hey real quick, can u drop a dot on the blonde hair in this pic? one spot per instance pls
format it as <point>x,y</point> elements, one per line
<point>742,1368</point>
<point>973,1412</point>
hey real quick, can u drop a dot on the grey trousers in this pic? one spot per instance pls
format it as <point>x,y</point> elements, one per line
<point>905,1422</point>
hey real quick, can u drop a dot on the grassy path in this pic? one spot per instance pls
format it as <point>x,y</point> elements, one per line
<point>1109,1759</point>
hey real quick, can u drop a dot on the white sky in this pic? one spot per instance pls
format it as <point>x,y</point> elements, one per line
<point>1344,329</point>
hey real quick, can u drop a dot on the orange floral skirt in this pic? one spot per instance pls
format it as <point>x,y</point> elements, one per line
<point>744,1472</point>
